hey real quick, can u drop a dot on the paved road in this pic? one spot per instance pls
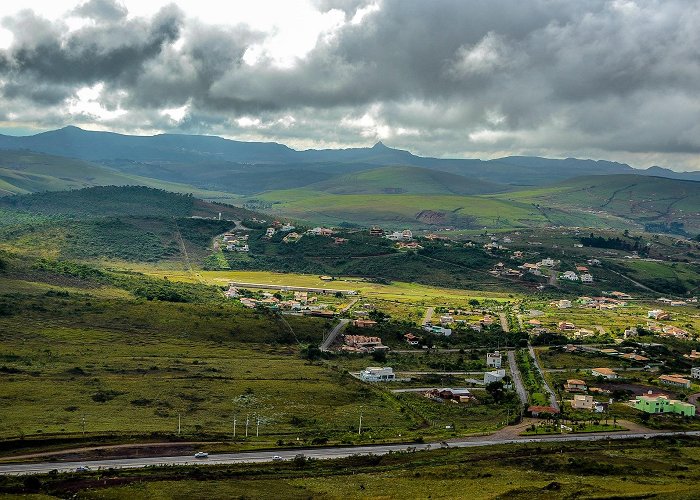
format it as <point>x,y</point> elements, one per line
<point>334,333</point>
<point>317,453</point>
<point>552,397</point>
<point>517,379</point>
<point>426,389</point>
<point>428,315</point>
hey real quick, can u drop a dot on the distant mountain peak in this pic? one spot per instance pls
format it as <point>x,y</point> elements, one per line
<point>380,145</point>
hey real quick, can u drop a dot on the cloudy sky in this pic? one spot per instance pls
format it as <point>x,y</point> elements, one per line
<point>449,78</point>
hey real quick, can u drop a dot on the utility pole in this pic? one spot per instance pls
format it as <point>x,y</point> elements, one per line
<point>83,422</point>
<point>179,424</point>
<point>359,429</point>
<point>257,427</point>
<point>246,425</point>
<point>234,427</point>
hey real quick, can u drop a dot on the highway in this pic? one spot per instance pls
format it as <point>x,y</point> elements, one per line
<point>316,453</point>
<point>328,341</point>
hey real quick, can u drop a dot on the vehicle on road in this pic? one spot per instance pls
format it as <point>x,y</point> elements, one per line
<point>276,458</point>
<point>201,454</point>
<point>82,468</point>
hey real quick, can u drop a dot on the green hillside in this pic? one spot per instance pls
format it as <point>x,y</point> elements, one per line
<point>654,202</point>
<point>131,223</point>
<point>103,201</point>
<point>405,180</point>
<point>23,172</point>
<point>410,210</point>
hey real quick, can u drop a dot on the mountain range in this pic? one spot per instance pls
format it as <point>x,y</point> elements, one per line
<point>241,167</point>
<point>359,186</point>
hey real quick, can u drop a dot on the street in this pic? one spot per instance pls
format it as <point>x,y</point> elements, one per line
<point>318,453</point>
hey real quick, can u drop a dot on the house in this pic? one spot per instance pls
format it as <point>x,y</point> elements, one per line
<point>547,262</point>
<point>411,339</point>
<point>449,394</point>
<point>493,359</point>
<point>570,275</point>
<point>411,245</point>
<point>583,402</point>
<point>286,228</point>
<point>675,380</point>
<point>631,332</point>
<point>693,356</point>
<point>536,411</point>
<point>291,238</point>
<point>620,295</point>
<point>658,314</point>
<point>377,374</point>
<point>494,376</point>
<point>575,385</point>
<point>339,241</point>
<point>232,292</point>
<point>406,234</point>
<point>270,232</point>
<point>634,357</point>
<point>446,319</point>
<point>376,231</point>
<point>364,323</point>
<point>438,330</point>
<point>566,325</point>
<point>582,269</point>
<point>320,231</point>
<point>695,372</point>
<point>604,372</point>
<point>361,343</point>
<point>662,404</point>
<point>674,331</point>
<point>563,304</point>
<point>586,278</point>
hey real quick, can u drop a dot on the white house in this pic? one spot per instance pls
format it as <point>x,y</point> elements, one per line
<point>695,372</point>
<point>377,374</point>
<point>586,278</point>
<point>564,304</point>
<point>494,376</point>
<point>286,228</point>
<point>493,359</point>
<point>570,275</point>
<point>547,262</point>
<point>270,232</point>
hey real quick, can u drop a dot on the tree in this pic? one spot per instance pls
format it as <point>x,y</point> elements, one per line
<point>496,390</point>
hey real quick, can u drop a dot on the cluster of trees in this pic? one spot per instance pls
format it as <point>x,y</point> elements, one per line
<point>615,243</point>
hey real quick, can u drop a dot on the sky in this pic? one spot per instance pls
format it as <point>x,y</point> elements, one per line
<point>617,80</point>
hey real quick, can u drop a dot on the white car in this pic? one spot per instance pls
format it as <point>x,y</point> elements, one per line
<point>82,468</point>
<point>201,454</point>
<point>276,458</point>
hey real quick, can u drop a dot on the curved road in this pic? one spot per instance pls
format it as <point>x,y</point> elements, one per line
<point>316,453</point>
<point>325,345</point>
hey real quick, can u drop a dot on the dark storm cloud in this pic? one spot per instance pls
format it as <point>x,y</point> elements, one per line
<point>439,77</point>
<point>45,52</point>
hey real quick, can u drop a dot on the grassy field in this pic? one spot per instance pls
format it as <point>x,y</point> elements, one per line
<point>664,469</point>
<point>403,209</point>
<point>78,343</point>
<point>407,292</point>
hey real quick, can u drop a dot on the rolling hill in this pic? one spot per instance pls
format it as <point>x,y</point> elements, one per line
<point>653,202</point>
<point>405,180</point>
